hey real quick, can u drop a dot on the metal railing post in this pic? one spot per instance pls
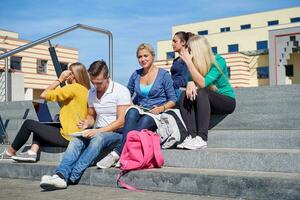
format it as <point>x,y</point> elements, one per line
<point>5,75</point>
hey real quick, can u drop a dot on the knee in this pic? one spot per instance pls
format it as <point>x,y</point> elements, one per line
<point>29,122</point>
<point>145,121</point>
<point>132,114</point>
<point>97,140</point>
<point>201,92</point>
<point>75,143</point>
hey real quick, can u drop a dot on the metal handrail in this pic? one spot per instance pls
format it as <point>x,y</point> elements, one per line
<point>6,75</point>
<point>62,32</point>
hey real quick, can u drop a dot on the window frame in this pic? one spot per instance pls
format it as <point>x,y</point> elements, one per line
<point>231,45</point>
<point>203,32</point>
<point>262,76</point>
<point>170,57</point>
<point>225,29</point>
<point>39,65</point>
<point>245,26</point>
<point>273,22</point>
<point>261,42</point>
<point>295,19</point>
<point>20,61</point>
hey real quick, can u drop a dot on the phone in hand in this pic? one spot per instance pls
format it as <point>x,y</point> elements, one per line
<point>145,109</point>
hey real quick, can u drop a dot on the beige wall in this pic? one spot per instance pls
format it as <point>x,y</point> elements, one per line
<point>243,68</point>
<point>245,38</point>
<point>295,60</point>
<point>30,56</point>
<point>10,34</point>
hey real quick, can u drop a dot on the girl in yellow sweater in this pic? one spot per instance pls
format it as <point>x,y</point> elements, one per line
<point>73,98</point>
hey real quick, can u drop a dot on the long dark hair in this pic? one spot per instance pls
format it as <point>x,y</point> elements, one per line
<point>184,36</point>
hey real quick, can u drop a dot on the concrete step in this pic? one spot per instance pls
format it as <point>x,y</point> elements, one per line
<point>254,139</point>
<point>251,139</point>
<point>267,160</point>
<point>17,189</point>
<point>268,92</point>
<point>224,183</point>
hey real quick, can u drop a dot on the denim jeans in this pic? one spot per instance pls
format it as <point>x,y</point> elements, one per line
<point>134,121</point>
<point>81,152</point>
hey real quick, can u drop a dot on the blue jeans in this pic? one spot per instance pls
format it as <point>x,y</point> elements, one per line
<point>81,152</point>
<point>135,121</point>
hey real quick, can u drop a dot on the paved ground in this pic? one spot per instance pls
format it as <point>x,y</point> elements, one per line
<point>16,189</point>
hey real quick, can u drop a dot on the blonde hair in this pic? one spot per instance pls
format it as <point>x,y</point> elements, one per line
<point>203,57</point>
<point>80,73</point>
<point>148,47</point>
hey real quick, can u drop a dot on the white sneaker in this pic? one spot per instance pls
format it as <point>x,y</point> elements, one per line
<point>186,140</point>
<point>45,178</point>
<point>195,143</point>
<point>53,183</point>
<point>27,156</point>
<point>4,155</point>
<point>108,161</point>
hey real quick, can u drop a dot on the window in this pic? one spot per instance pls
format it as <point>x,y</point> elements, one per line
<point>289,70</point>
<point>245,26</point>
<point>64,66</point>
<point>225,29</point>
<point>229,72</point>
<point>295,19</point>
<point>203,32</point>
<point>215,50</point>
<point>260,45</point>
<point>272,23</point>
<point>170,55</point>
<point>233,48</point>
<point>41,66</point>
<point>15,63</point>
<point>262,72</point>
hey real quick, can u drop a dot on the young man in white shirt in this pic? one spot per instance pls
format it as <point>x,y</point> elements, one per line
<point>108,102</point>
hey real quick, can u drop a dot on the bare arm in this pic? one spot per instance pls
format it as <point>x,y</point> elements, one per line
<point>89,121</point>
<point>115,125</point>
<point>159,109</point>
<point>63,77</point>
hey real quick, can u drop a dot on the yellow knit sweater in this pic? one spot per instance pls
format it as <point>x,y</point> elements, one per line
<point>74,99</point>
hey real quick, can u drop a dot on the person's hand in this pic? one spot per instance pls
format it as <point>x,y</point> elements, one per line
<point>157,110</point>
<point>191,91</point>
<point>83,124</point>
<point>64,75</point>
<point>89,133</point>
<point>185,55</point>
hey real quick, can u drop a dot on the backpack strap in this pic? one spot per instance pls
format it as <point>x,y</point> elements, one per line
<point>144,136</point>
<point>125,185</point>
<point>157,149</point>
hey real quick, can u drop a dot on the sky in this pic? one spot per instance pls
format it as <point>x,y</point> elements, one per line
<point>131,21</point>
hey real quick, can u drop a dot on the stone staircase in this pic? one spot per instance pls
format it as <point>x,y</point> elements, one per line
<point>253,153</point>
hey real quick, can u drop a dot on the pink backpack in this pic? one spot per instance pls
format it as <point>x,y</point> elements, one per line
<point>141,151</point>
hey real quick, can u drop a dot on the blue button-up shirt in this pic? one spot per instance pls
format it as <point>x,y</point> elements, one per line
<point>161,92</point>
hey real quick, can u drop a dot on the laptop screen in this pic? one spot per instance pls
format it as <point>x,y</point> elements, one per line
<point>42,112</point>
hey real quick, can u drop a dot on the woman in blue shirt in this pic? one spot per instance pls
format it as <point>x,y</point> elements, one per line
<point>179,70</point>
<point>154,93</point>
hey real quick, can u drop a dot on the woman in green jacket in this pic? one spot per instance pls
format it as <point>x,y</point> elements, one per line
<point>208,91</point>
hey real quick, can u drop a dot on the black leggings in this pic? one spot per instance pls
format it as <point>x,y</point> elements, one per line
<point>196,114</point>
<point>45,135</point>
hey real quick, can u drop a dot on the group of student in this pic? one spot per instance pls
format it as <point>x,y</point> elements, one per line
<point>198,85</point>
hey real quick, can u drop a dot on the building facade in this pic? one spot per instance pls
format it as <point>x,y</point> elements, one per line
<point>254,46</point>
<point>32,70</point>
